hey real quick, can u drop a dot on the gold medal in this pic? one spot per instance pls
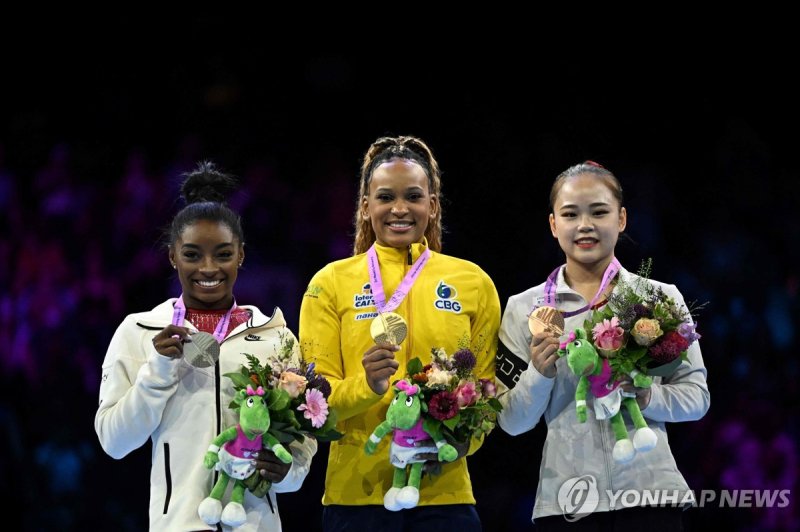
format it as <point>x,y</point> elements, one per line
<point>546,319</point>
<point>388,328</point>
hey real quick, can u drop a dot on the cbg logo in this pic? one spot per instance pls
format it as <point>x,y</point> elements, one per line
<point>446,298</point>
<point>578,497</point>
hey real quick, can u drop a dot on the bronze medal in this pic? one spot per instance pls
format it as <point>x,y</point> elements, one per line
<point>546,319</point>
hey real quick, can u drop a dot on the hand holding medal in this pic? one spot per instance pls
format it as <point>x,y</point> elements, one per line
<point>170,340</point>
<point>546,325</point>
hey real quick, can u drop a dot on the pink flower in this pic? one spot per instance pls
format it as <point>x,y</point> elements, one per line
<point>488,388</point>
<point>293,383</point>
<point>466,394</point>
<point>315,408</point>
<point>608,334</point>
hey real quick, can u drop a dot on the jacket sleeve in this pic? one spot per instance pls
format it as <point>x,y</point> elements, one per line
<point>483,337</point>
<point>321,343</point>
<point>134,390</point>
<point>684,395</point>
<point>526,393</point>
<point>302,453</point>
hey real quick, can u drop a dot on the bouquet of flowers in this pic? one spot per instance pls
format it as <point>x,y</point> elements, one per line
<point>642,329</point>
<point>296,397</point>
<point>459,404</point>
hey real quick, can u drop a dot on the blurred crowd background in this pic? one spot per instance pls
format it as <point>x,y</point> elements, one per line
<point>92,152</point>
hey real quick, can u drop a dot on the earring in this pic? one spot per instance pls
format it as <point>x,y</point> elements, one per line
<point>174,266</point>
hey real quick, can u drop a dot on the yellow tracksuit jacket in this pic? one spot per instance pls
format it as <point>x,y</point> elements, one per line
<point>453,305</point>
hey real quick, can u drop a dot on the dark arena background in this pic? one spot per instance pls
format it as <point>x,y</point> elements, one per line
<point>93,143</point>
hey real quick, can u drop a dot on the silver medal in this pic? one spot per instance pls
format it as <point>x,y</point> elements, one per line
<point>202,351</point>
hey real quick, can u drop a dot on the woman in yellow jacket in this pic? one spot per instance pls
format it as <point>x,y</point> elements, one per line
<point>445,302</point>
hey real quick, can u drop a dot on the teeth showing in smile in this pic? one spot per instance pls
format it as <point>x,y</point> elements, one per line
<point>586,241</point>
<point>400,224</point>
<point>209,284</point>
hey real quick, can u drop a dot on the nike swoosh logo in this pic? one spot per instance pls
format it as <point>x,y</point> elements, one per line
<point>252,338</point>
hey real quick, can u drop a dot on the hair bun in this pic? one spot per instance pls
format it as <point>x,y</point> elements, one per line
<point>593,163</point>
<point>207,183</point>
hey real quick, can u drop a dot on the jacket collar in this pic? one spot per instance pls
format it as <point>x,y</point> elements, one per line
<point>563,288</point>
<point>400,255</point>
<point>161,316</point>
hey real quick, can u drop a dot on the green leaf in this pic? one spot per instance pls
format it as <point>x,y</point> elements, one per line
<point>635,353</point>
<point>452,423</point>
<point>329,435</point>
<point>278,399</point>
<point>431,425</point>
<point>414,366</point>
<point>330,422</point>
<point>240,381</point>
<point>496,405</point>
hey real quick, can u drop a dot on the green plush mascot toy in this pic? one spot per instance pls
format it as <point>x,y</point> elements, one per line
<point>595,374</point>
<point>404,420</point>
<point>236,459</point>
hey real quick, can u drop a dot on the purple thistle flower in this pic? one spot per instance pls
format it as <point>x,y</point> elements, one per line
<point>464,360</point>
<point>642,311</point>
<point>318,382</point>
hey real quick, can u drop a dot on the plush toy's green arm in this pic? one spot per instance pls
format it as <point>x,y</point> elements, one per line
<point>212,456</point>
<point>447,453</point>
<point>640,380</point>
<point>580,398</point>
<point>377,435</point>
<point>279,450</point>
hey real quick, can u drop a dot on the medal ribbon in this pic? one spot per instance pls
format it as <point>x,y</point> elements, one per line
<point>550,287</point>
<point>400,293</point>
<point>179,314</point>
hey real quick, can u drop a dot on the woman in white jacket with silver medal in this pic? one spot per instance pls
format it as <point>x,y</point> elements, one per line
<point>163,372</point>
